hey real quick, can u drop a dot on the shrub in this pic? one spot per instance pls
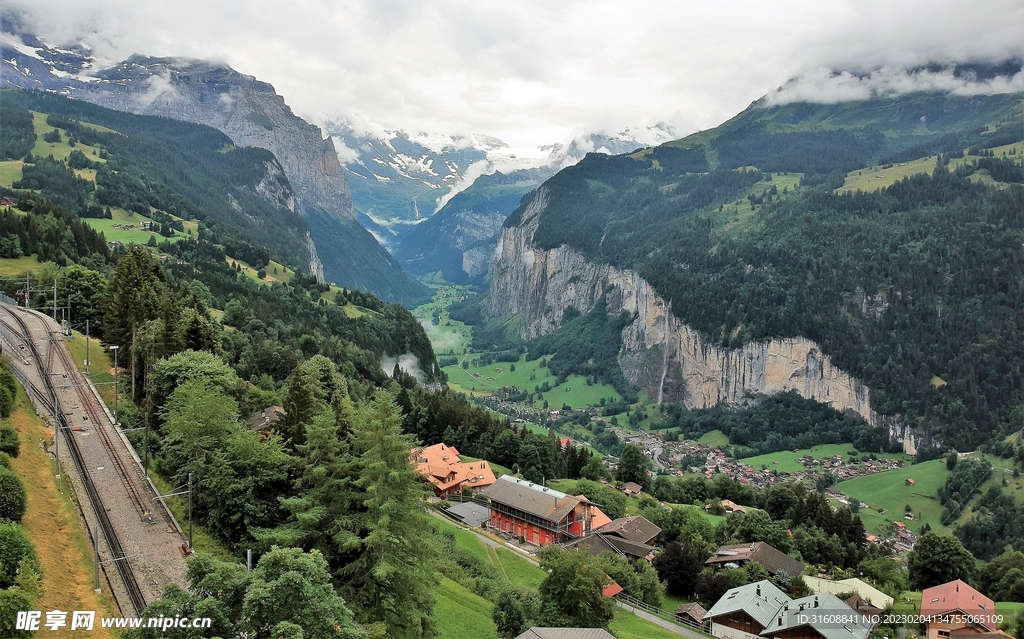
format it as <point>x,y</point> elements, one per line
<point>12,497</point>
<point>15,547</point>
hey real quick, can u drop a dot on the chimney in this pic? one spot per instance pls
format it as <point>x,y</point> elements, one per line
<point>759,589</point>
<point>815,601</point>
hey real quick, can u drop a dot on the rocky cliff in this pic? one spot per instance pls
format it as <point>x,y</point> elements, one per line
<point>660,354</point>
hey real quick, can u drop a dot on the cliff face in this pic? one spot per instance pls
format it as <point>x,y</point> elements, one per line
<point>660,354</point>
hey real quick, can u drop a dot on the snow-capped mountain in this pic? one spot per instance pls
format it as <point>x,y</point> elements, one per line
<point>399,179</point>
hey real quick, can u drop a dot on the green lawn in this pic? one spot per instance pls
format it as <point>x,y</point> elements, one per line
<point>18,265</point>
<point>788,460</point>
<point>133,236</point>
<point>514,568</point>
<point>627,625</point>
<point>460,613</point>
<point>889,491</point>
<point>59,150</point>
<point>714,438</point>
<point>10,172</point>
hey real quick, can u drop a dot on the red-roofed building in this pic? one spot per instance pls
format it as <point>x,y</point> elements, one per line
<point>538,514</point>
<point>957,609</point>
<point>443,468</point>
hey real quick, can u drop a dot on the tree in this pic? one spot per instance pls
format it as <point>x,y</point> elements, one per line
<point>15,548</point>
<point>679,567</point>
<point>509,615</point>
<point>391,579</point>
<point>594,470</point>
<point>12,497</point>
<point>633,466</point>
<point>573,590</point>
<point>937,560</point>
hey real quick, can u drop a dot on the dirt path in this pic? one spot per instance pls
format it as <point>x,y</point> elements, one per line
<point>52,522</point>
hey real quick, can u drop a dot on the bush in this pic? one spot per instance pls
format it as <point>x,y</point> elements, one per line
<point>5,461</point>
<point>12,497</point>
<point>15,547</point>
<point>9,443</point>
<point>12,602</point>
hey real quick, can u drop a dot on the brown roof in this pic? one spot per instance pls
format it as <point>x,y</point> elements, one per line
<point>957,595</point>
<point>546,503</point>
<point>692,610</point>
<point>863,606</point>
<point>638,529</point>
<point>597,543</point>
<point>772,559</point>
<point>566,633</point>
<point>632,487</point>
<point>266,417</point>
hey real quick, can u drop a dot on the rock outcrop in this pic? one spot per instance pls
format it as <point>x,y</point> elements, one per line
<point>660,354</point>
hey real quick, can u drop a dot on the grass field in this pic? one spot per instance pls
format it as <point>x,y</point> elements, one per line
<point>515,569</point>
<point>714,438</point>
<point>52,522</point>
<point>59,150</point>
<point>460,613</point>
<point>889,491</point>
<point>447,336</point>
<point>134,236</point>
<point>10,172</point>
<point>627,625</point>
<point>875,177</point>
<point>18,265</point>
<point>788,460</point>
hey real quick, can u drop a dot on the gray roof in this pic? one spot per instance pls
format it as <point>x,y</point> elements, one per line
<point>546,503</point>
<point>566,633</point>
<point>827,614</point>
<point>761,600</point>
<point>637,528</point>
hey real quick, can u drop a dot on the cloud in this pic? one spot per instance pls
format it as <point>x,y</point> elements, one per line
<point>345,154</point>
<point>531,72</point>
<point>825,86</point>
<point>407,362</point>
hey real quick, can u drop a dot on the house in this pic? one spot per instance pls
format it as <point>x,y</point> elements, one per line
<point>956,609</point>
<point>596,543</point>
<point>744,612</point>
<point>866,591</point>
<point>864,607</point>
<point>566,633</point>
<point>539,514</point>
<point>823,616</point>
<point>636,528</point>
<point>729,506</point>
<point>910,481</point>
<point>443,468</point>
<point>263,419</point>
<point>632,489</point>
<point>738,555</point>
<point>691,614</point>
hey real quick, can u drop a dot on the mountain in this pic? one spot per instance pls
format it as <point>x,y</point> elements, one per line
<point>818,248</point>
<point>399,179</point>
<point>252,114</point>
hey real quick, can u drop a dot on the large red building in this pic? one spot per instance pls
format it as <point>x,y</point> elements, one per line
<point>538,514</point>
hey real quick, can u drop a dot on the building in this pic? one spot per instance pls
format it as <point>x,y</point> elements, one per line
<point>866,591</point>
<point>443,468</point>
<point>823,616</point>
<point>263,419</point>
<point>691,614</point>
<point>957,610</point>
<point>637,529</point>
<point>738,555</point>
<point>632,489</point>
<point>566,633</point>
<point>538,514</point>
<point>744,612</point>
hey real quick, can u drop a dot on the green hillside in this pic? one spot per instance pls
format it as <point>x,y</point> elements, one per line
<point>743,231</point>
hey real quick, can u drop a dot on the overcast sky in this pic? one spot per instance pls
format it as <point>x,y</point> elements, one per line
<point>531,71</point>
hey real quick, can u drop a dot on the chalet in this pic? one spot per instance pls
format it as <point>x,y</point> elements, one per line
<point>744,612</point>
<point>536,513</point>
<point>823,616</point>
<point>443,468</point>
<point>263,419</point>
<point>632,489</point>
<point>866,591</point>
<point>773,560</point>
<point>957,609</point>
<point>637,529</point>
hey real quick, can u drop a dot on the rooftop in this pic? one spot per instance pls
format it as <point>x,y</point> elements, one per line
<point>831,618</point>
<point>958,595</point>
<point>761,600</point>
<point>772,559</point>
<point>531,498</point>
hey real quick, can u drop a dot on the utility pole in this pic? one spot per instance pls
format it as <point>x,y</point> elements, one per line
<point>55,299</point>
<point>116,378</point>
<point>87,350</point>
<point>190,512</point>
<point>96,553</point>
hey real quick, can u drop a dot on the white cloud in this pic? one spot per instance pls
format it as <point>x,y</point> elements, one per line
<point>533,71</point>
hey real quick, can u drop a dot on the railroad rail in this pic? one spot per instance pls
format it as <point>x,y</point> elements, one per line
<point>50,400</point>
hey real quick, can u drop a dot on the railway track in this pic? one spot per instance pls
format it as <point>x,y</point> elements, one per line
<point>116,449</point>
<point>48,397</point>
